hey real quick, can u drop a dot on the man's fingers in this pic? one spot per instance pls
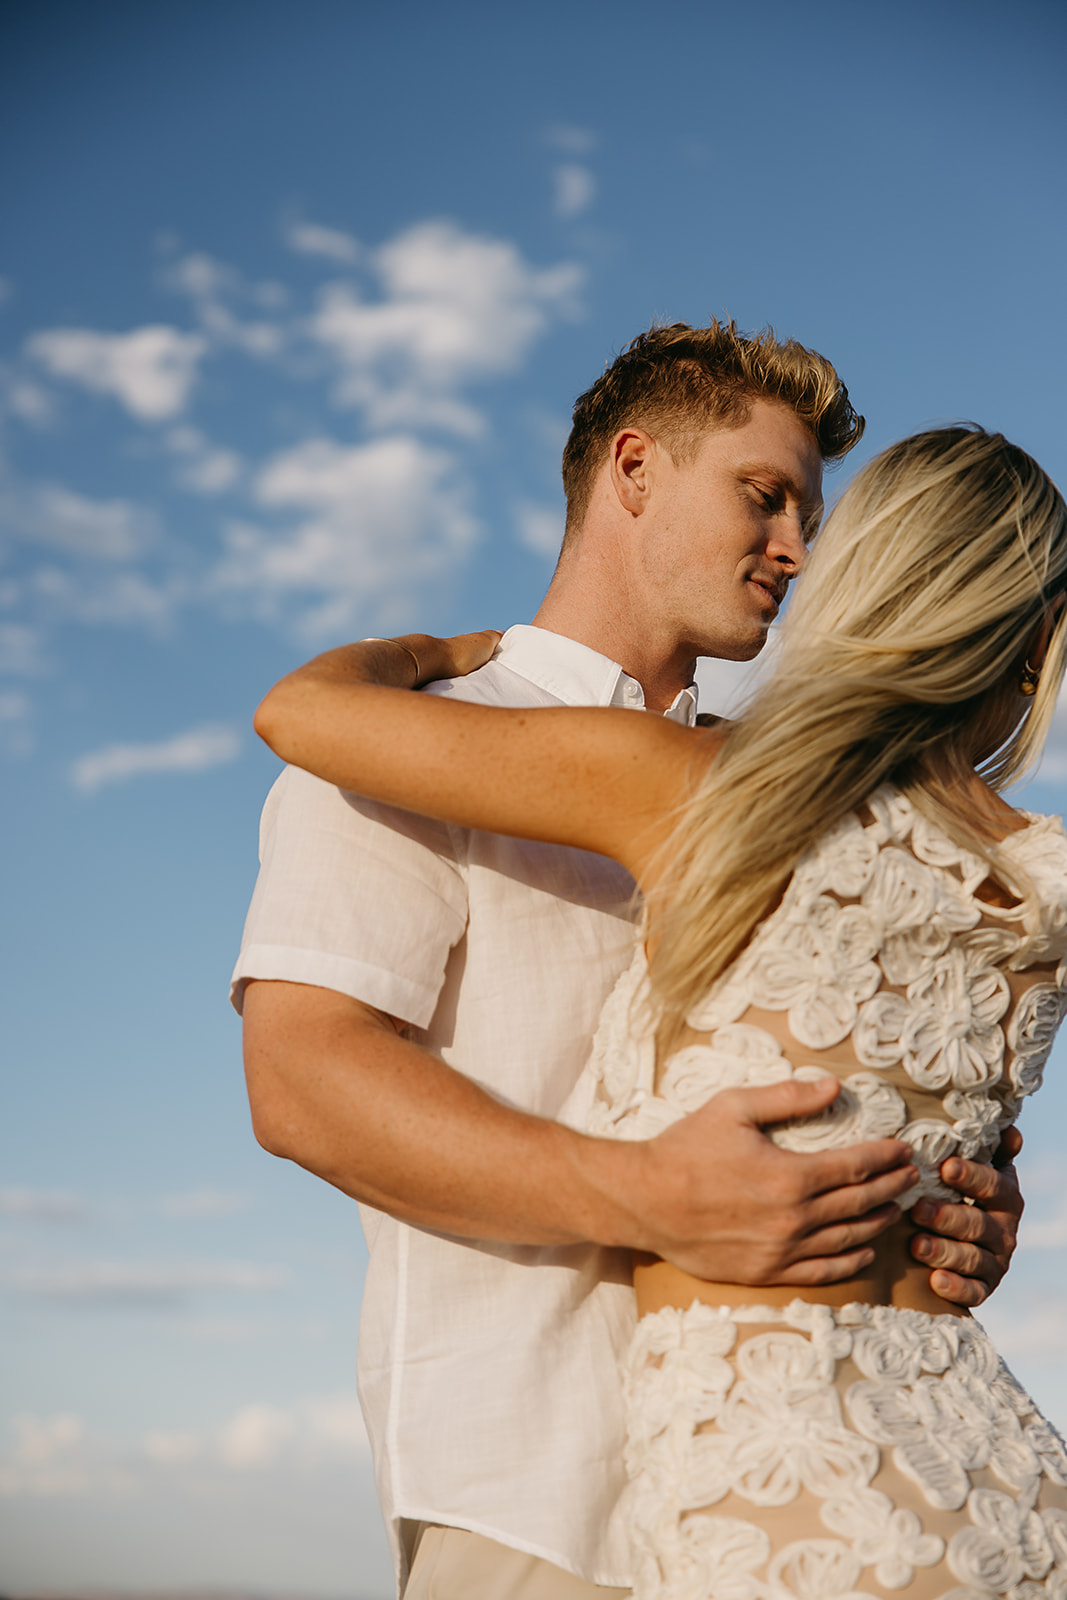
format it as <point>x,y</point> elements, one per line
<point>862,1164</point>
<point>780,1102</point>
<point>1011,1143</point>
<point>993,1190</point>
<point>836,1238</point>
<point>961,1291</point>
<point>969,1224</point>
<point>969,1260</point>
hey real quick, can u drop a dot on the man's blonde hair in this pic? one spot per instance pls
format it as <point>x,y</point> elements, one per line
<point>679,382</point>
<point>901,660</point>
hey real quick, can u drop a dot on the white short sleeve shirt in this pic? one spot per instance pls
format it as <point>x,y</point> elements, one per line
<point>487,1372</point>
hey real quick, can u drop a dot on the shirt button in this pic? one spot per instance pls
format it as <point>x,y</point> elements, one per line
<point>632,691</point>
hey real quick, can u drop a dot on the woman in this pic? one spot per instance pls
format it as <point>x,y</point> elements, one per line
<point>830,887</point>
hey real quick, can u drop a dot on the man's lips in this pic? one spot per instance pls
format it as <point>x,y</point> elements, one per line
<point>770,586</point>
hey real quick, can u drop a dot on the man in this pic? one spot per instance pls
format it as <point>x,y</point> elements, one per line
<point>424,998</point>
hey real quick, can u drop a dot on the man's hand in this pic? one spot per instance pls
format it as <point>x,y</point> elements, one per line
<point>970,1247</point>
<point>732,1207</point>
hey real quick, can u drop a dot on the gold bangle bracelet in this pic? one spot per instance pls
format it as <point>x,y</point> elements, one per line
<point>376,638</point>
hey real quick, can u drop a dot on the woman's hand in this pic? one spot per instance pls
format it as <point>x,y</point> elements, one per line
<point>432,658</point>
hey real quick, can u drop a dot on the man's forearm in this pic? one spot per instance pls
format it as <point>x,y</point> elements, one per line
<point>344,1095</point>
<point>335,1088</point>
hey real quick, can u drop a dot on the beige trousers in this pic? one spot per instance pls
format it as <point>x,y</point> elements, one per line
<point>451,1564</point>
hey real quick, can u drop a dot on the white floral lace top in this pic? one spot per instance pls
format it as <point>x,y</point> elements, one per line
<point>861,1452</point>
<point>935,1007</point>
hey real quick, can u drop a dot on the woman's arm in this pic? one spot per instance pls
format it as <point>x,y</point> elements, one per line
<point>600,779</point>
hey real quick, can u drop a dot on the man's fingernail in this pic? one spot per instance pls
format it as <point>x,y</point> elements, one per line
<point>923,1248</point>
<point>923,1211</point>
<point>952,1171</point>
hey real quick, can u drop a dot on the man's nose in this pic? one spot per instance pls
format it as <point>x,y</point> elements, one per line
<point>787,545</point>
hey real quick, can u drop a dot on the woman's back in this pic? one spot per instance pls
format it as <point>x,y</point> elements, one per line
<point>892,962</point>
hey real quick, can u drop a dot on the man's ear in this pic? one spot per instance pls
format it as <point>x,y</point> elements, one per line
<point>632,466</point>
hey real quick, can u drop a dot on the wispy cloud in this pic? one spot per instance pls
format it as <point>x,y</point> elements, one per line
<point>378,519</point>
<point>59,1455</point>
<point>51,516</point>
<point>540,528</point>
<point>574,189</point>
<point>46,1456</point>
<point>456,308</point>
<point>21,649</point>
<point>204,1203</point>
<point>42,1205</point>
<point>205,468</point>
<point>118,1283</point>
<point>195,751</point>
<point>328,535</point>
<point>149,371</point>
<point>332,244</point>
<point>14,705</point>
<point>571,139</point>
<point>214,288</point>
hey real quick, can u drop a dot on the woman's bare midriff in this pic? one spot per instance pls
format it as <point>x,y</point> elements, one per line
<point>894,1278</point>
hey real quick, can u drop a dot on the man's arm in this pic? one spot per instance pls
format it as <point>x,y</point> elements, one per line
<point>334,1087</point>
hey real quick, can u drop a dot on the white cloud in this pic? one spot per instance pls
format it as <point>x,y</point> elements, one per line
<point>311,239</point>
<point>540,528</point>
<point>574,189</point>
<point>102,530</point>
<point>20,649</point>
<point>259,1435</point>
<point>38,1440</point>
<point>211,285</point>
<point>46,1457</point>
<point>128,598</point>
<point>204,1203</point>
<point>149,371</point>
<point>457,308</point>
<point>256,1436</point>
<point>42,1205</point>
<point>29,402</point>
<point>195,751</point>
<point>205,468</point>
<point>14,705</point>
<point>170,1448</point>
<point>571,139</point>
<point>382,518</point>
<point>119,1283</point>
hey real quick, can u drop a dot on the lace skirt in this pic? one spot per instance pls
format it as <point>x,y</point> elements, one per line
<point>809,1452</point>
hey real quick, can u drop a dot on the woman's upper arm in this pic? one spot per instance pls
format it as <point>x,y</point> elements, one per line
<point>600,779</point>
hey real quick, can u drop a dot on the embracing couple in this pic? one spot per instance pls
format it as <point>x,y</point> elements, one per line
<point>767,1106</point>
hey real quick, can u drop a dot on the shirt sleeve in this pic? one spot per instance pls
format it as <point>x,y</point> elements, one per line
<point>352,896</point>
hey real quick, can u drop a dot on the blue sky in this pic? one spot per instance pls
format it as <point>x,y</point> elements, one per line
<point>295,303</point>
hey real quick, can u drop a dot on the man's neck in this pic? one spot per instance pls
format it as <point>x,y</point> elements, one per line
<point>661,669</point>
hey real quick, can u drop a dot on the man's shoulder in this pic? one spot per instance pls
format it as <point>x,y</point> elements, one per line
<point>495,684</point>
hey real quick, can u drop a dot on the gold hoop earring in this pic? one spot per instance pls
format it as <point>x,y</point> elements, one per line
<point>1030,679</point>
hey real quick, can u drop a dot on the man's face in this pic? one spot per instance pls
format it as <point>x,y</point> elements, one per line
<point>730,531</point>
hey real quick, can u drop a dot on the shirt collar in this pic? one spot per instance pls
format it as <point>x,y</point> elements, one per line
<point>579,676</point>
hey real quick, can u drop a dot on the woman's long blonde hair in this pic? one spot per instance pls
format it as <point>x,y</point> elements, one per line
<point>901,659</point>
